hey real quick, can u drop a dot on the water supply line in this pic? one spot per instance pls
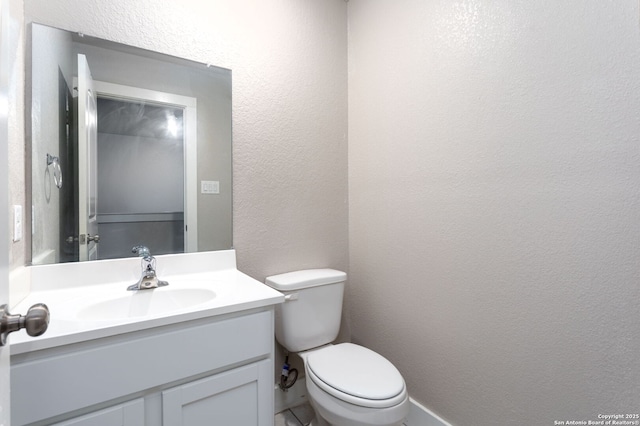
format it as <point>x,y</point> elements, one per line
<point>289,375</point>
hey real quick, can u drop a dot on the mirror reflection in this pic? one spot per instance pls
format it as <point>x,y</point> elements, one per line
<point>139,139</point>
<point>142,149</point>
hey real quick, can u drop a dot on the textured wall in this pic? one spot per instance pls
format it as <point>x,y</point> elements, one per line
<point>289,63</point>
<point>494,182</point>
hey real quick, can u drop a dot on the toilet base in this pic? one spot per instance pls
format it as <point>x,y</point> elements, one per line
<point>319,421</point>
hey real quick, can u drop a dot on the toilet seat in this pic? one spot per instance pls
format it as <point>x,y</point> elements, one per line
<point>356,375</point>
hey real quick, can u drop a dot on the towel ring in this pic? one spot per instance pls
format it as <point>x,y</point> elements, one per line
<point>57,170</point>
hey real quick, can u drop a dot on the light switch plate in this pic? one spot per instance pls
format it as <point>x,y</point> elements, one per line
<point>210,187</point>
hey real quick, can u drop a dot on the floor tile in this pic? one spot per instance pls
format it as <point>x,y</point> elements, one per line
<point>304,413</point>
<point>286,418</point>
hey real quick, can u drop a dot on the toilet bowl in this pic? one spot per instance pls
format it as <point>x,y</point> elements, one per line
<point>347,384</point>
<point>350,385</point>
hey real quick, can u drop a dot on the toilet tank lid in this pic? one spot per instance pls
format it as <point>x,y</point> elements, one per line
<point>306,278</point>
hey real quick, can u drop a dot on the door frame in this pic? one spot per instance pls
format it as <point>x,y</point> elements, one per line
<point>5,69</point>
<point>87,119</point>
<point>189,105</point>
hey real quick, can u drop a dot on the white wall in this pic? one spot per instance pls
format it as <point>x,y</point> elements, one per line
<point>494,181</point>
<point>127,161</point>
<point>289,64</point>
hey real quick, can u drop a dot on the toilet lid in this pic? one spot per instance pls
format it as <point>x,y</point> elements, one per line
<point>356,371</point>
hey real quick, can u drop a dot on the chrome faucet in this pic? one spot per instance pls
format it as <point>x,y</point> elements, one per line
<point>148,280</point>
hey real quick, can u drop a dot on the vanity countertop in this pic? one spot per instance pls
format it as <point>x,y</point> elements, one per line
<point>82,311</point>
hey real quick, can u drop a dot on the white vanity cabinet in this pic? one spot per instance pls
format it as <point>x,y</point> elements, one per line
<point>210,371</point>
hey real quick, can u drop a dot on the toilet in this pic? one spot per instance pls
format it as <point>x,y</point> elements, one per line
<point>347,384</point>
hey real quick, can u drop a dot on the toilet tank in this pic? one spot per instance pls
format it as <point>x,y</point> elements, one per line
<point>310,315</point>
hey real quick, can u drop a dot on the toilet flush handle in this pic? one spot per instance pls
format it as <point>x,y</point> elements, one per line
<point>291,296</point>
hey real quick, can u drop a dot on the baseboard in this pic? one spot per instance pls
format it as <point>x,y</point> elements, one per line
<point>419,415</point>
<point>294,396</point>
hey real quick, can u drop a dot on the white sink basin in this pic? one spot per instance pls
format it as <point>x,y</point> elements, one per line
<point>144,303</point>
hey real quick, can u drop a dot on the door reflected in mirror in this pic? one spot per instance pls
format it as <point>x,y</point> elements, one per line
<point>144,146</point>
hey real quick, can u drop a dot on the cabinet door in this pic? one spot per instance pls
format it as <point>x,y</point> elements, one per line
<point>239,397</point>
<point>128,414</point>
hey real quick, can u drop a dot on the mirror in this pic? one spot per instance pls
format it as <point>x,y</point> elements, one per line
<point>128,147</point>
